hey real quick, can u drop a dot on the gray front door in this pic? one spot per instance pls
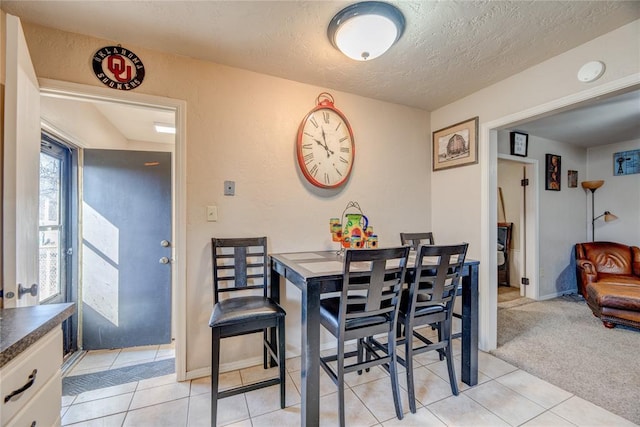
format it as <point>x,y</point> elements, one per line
<point>126,233</point>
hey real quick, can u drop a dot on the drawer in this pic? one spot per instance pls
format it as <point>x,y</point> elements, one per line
<point>44,409</point>
<point>44,357</point>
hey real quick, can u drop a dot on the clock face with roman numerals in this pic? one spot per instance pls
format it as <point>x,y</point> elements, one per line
<point>325,147</point>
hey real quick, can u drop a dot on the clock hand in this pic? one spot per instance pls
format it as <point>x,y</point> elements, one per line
<point>325,142</point>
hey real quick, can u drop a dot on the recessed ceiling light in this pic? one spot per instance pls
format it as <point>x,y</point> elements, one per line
<point>165,128</point>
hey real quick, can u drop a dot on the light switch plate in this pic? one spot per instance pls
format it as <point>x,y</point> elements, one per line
<point>212,213</point>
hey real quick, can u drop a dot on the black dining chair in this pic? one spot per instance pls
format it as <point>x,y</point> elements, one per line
<point>429,300</point>
<point>242,306</point>
<point>416,239</point>
<point>366,306</point>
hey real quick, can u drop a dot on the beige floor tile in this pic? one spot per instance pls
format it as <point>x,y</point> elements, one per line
<point>160,394</point>
<point>243,423</point>
<point>464,411</point>
<point>287,417</point>
<point>109,421</point>
<point>135,355</point>
<point>267,399</point>
<point>229,380</point>
<point>166,351</point>
<point>326,384</point>
<point>429,387</point>
<point>440,369</point>
<point>232,409</point>
<point>258,373</point>
<point>548,419</point>
<point>356,413</point>
<point>492,366</point>
<point>504,402</point>
<point>199,411</point>
<point>583,413</point>
<point>101,393</point>
<point>293,364</point>
<point>352,379</point>
<point>97,408</point>
<point>543,393</point>
<point>378,398</point>
<point>200,386</point>
<point>169,414</point>
<point>68,400</point>
<point>96,359</point>
<point>422,418</point>
<point>156,381</point>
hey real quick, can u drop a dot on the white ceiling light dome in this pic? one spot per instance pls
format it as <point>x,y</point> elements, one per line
<point>364,31</point>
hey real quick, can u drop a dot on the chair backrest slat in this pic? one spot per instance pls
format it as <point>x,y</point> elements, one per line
<point>373,280</point>
<point>239,264</point>
<point>437,276</point>
<point>416,239</point>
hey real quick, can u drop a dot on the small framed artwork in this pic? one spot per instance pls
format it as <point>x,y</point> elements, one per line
<point>553,170</point>
<point>572,179</point>
<point>456,145</point>
<point>519,144</point>
<point>626,162</point>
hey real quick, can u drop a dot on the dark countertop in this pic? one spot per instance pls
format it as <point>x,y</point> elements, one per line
<point>23,326</point>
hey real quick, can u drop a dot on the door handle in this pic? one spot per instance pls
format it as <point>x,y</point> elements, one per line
<point>164,260</point>
<point>32,290</point>
<point>165,243</point>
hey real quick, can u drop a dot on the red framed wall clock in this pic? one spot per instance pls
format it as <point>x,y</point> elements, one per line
<point>325,145</point>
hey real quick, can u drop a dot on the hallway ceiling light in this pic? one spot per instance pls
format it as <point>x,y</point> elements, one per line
<point>364,31</point>
<point>165,128</point>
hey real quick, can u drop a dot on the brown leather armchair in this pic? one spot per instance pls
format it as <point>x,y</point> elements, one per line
<point>609,279</point>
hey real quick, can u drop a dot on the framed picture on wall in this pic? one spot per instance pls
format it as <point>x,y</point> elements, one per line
<point>456,145</point>
<point>519,144</point>
<point>572,179</point>
<point>552,172</point>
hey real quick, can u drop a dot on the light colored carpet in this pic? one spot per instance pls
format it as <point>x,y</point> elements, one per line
<point>561,342</point>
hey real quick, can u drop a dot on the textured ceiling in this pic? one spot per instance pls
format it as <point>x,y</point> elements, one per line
<point>449,49</point>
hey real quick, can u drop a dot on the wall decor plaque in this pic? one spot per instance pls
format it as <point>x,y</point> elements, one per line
<point>626,162</point>
<point>118,68</point>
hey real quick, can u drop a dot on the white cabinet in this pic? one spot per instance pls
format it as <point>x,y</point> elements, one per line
<point>31,386</point>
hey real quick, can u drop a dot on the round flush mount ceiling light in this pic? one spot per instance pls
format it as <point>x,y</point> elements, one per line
<point>364,31</point>
<point>591,71</point>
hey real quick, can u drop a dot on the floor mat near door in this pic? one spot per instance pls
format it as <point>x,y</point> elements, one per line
<point>74,385</point>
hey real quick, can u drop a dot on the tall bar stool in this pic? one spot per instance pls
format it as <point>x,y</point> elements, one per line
<point>242,306</point>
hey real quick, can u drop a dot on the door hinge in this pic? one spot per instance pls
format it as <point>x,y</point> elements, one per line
<point>524,281</point>
<point>524,182</point>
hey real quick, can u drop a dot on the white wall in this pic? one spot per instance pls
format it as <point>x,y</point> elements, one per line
<point>242,126</point>
<point>465,187</point>
<point>620,195</point>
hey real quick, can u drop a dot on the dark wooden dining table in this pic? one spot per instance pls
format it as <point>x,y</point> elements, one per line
<point>315,273</point>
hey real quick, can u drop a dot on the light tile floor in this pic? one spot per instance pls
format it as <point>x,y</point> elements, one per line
<point>505,396</point>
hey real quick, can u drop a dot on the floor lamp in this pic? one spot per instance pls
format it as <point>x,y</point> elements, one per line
<point>608,216</point>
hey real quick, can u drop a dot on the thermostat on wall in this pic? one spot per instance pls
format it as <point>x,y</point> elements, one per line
<point>591,71</point>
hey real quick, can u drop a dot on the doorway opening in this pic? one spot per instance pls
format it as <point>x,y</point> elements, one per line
<point>90,117</point>
<point>58,230</point>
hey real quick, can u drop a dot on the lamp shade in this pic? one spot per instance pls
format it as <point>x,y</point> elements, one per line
<point>364,31</point>
<point>592,185</point>
<point>608,217</point>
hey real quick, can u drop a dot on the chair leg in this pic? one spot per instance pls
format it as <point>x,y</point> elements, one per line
<point>215,368</point>
<point>340,372</point>
<point>449,355</point>
<point>408,357</point>
<point>265,352</point>
<point>393,373</point>
<point>281,361</point>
